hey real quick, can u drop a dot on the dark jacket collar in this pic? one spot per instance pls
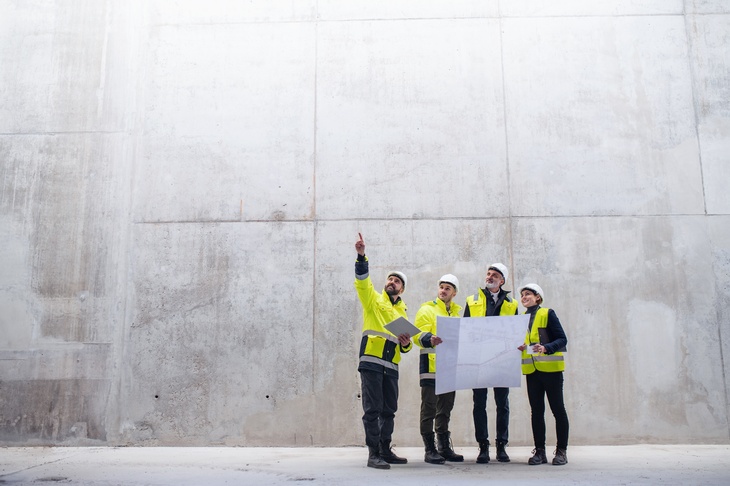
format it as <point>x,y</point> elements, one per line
<point>502,293</point>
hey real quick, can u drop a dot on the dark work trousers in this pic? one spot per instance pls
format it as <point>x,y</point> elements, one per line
<point>437,407</point>
<point>540,384</point>
<point>501,399</point>
<point>379,402</point>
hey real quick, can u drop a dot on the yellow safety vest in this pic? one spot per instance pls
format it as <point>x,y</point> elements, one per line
<point>477,304</point>
<point>549,363</point>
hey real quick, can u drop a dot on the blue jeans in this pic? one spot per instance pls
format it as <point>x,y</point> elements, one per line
<point>501,398</point>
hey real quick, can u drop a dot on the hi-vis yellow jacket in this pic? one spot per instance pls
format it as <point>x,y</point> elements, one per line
<point>379,349</point>
<point>549,363</point>
<point>426,321</point>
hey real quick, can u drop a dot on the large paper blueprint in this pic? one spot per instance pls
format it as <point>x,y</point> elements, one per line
<point>479,352</point>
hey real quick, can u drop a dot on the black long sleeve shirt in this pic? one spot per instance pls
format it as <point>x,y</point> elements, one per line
<point>556,334</point>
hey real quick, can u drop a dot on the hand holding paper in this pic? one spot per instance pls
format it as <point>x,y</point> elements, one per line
<point>531,349</point>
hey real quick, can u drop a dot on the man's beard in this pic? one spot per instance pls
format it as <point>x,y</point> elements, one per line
<point>390,290</point>
<point>494,286</point>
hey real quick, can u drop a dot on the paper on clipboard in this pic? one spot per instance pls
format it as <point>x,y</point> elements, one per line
<point>402,326</point>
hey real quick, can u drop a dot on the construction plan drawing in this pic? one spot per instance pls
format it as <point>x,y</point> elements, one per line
<point>479,352</point>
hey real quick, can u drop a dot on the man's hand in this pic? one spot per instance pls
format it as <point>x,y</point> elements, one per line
<point>436,340</point>
<point>403,339</point>
<point>360,245</point>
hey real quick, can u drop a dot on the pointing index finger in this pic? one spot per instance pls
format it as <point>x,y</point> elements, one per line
<point>360,235</point>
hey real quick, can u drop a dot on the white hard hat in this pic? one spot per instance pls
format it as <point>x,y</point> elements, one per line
<point>450,279</point>
<point>501,268</point>
<point>401,276</point>
<point>535,288</point>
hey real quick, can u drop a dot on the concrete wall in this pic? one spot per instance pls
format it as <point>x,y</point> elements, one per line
<point>182,184</point>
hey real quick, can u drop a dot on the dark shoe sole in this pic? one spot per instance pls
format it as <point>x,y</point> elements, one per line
<point>379,466</point>
<point>434,462</point>
<point>482,461</point>
<point>536,463</point>
<point>396,461</point>
<point>503,459</point>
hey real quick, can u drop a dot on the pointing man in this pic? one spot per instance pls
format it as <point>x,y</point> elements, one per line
<point>379,356</point>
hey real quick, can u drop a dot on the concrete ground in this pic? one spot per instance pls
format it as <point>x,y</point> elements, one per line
<point>639,464</point>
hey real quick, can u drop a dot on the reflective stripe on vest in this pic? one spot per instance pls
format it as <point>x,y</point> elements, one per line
<point>543,357</point>
<point>549,363</point>
<point>383,335</point>
<point>427,376</point>
<point>428,351</point>
<point>373,359</point>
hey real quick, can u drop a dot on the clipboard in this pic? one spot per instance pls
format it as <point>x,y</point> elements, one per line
<point>402,326</point>
<point>545,339</point>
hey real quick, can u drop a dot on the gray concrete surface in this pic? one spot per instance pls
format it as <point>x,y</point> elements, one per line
<point>640,464</point>
<point>182,183</point>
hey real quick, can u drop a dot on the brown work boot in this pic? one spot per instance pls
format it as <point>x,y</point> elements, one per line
<point>561,457</point>
<point>538,457</point>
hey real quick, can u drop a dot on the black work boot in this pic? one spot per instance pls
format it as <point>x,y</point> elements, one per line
<point>483,457</point>
<point>538,457</point>
<point>374,459</point>
<point>561,457</point>
<point>432,456</point>
<point>387,454</point>
<point>445,450</point>
<point>501,452</point>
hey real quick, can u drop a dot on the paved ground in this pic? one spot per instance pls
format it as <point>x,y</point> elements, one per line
<point>641,464</point>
